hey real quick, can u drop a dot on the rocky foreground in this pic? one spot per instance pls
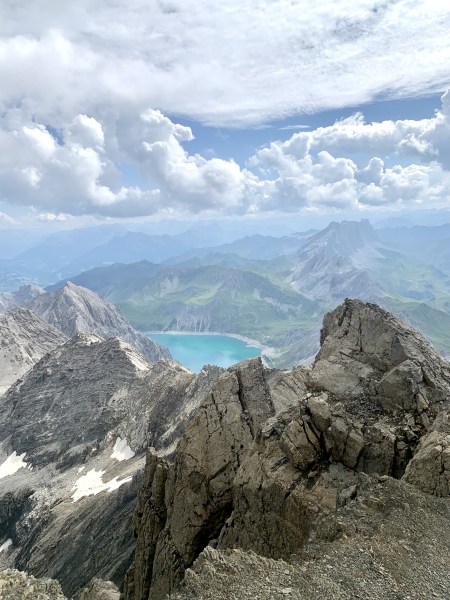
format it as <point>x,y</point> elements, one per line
<point>324,482</point>
<point>332,469</point>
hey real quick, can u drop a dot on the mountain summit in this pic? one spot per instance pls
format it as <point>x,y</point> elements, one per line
<point>73,309</point>
<point>328,267</point>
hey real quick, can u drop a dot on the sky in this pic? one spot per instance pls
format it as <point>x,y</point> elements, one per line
<point>183,109</point>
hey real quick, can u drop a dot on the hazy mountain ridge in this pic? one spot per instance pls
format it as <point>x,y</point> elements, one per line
<point>345,259</point>
<point>21,297</point>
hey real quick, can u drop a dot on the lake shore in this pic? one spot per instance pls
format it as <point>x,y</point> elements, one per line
<point>266,351</point>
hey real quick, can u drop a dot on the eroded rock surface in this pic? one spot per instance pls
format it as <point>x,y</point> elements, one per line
<point>24,339</point>
<point>272,457</point>
<point>73,437</point>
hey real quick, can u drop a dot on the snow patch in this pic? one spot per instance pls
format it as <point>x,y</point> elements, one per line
<point>12,464</point>
<point>4,547</point>
<point>122,450</point>
<point>92,484</point>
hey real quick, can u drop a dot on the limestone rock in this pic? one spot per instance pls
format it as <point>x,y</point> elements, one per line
<point>13,300</point>
<point>73,438</point>
<point>272,456</point>
<point>100,590</point>
<point>365,351</point>
<point>16,585</point>
<point>24,340</point>
<point>429,469</point>
<point>74,309</point>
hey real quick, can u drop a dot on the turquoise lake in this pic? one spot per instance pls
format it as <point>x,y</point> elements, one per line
<point>195,351</point>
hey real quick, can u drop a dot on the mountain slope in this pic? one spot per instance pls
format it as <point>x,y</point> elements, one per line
<point>73,309</point>
<point>206,298</point>
<point>73,438</point>
<point>14,300</point>
<point>325,269</point>
<point>127,248</point>
<point>24,340</point>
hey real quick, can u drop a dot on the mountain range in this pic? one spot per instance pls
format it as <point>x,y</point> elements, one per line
<point>276,290</point>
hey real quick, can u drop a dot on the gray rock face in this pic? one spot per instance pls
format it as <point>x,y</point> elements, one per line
<point>24,295</point>
<point>392,542</point>
<point>73,309</point>
<point>272,456</point>
<point>24,339</point>
<point>73,437</point>
<point>365,351</point>
<point>18,585</point>
<point>100,590</point>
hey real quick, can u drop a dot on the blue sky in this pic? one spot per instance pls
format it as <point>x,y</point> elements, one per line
<point>250,108</point>
<point>240,143</point>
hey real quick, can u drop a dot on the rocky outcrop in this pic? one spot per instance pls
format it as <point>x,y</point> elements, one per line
<point>391,542</point>
<point>16,585</point>
<point>272,457</point>
<point>368,353</point>
<point>24,339</point>
<point>100,590</point>
<point>73,310</point>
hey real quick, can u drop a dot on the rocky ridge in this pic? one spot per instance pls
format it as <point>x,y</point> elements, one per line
<point>73,309</point>
<point>25,338</point>
<point>271,457</point>
<point>73,437</point>
<point>18,585</point>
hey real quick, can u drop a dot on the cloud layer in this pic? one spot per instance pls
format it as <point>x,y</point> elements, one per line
<point>234,62</point>
<point>75,170</point>
<point>81,80</point>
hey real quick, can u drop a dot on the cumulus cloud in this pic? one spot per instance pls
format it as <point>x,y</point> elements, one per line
<point>75,170</point>
<point>239,62</point>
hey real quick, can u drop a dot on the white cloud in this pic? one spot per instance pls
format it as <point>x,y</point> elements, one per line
<point>243,61</point>
<point>75,171</point>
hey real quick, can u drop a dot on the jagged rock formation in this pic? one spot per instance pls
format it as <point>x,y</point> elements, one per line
<point>24,339</point>
<point>271,456</point>
<point>18,585</point>
<point>390,542</point>
<point>73,309</point>
<point>24,295</point>
<point>73,437</point>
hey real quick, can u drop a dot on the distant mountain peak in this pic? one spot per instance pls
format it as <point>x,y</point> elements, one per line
<point>73,310</point>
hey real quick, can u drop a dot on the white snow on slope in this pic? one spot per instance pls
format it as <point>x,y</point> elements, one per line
<point>5,546</point>
<point>12,464</point>
<point>122,450</point>
<point>92,484</point>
